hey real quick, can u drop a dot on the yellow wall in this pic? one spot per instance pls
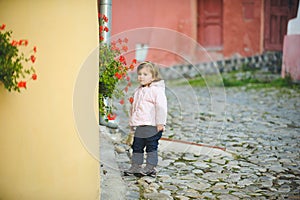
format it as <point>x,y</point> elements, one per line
<point>41,154</point>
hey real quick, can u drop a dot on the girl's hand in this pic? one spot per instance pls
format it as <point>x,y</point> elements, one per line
<point>160,127</point>
<point>129,140</point>
<point>131,129</point>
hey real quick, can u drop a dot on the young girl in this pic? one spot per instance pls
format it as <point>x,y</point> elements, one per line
<point>148,115</point>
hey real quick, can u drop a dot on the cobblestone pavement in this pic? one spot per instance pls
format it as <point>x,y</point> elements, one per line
<point>260,127</point>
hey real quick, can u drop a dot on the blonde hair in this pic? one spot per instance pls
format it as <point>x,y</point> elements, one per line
<point>153,69</point>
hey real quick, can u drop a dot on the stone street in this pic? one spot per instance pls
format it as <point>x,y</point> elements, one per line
<point>259,128</point>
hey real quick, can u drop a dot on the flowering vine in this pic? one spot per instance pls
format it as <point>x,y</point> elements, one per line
<point>14,70</point>
<point>113,68</point>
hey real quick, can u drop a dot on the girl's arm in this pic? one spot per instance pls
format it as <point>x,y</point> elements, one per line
<point>161,109</point>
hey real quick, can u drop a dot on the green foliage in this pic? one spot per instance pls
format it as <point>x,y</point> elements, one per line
<point>249,79</point>
<point>12,62</point>
<point>113,70</point>
<point>203,81</point>
<point>108,68</point>
<point>256,80</point>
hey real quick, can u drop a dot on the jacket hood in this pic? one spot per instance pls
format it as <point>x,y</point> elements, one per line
<point>160,83</point>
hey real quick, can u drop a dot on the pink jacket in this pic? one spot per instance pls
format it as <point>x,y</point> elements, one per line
<point>149,105</point>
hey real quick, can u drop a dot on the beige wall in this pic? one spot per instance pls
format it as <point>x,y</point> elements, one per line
<point>41,154</point>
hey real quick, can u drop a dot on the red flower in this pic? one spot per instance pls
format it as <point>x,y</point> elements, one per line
<point>105,18</point>
<point>125,40</point>
<point>14,43</point>
<point>125,48</point>
<point>34,49</point>
<point>134,61</point>
<point>21,42</point>
<point>106,29</point>
<point>101,28</point>
<point>119,76</point>
<point>129,84</point>
<point>131,100</point>
<point>122,101</point>
<point>131,67</point>
<point>102,16</point>
<point>120,41</point>
<point>32,58</point>
<point>122,59</point>
<point>22,84</point>
<point>34,76</point>
<point>114,48</point>
<point>2,27</point>
<point>101,38</point>
<point>111,116</point>
<point>113,43</point>
<point>126,89</point>
<point>128,78</point>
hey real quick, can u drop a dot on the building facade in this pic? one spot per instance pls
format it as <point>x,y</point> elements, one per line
<point>225,28</point>
<point>42,155</point>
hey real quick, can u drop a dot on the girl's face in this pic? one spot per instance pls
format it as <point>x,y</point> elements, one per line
<point>145,76</point>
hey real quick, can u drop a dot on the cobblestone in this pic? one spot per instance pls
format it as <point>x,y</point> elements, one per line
<point>259,127</point>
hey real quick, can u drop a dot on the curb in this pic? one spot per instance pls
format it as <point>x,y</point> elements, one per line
<point>112,186</point>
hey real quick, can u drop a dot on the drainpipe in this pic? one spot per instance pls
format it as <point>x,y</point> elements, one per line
<point>105,8</point>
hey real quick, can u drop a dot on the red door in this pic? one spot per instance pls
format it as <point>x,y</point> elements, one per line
<point>277,14</point>
<point>210,23</point>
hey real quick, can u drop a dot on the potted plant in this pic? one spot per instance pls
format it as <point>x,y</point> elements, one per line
<point>14,69</point>
<point>113,69</point>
